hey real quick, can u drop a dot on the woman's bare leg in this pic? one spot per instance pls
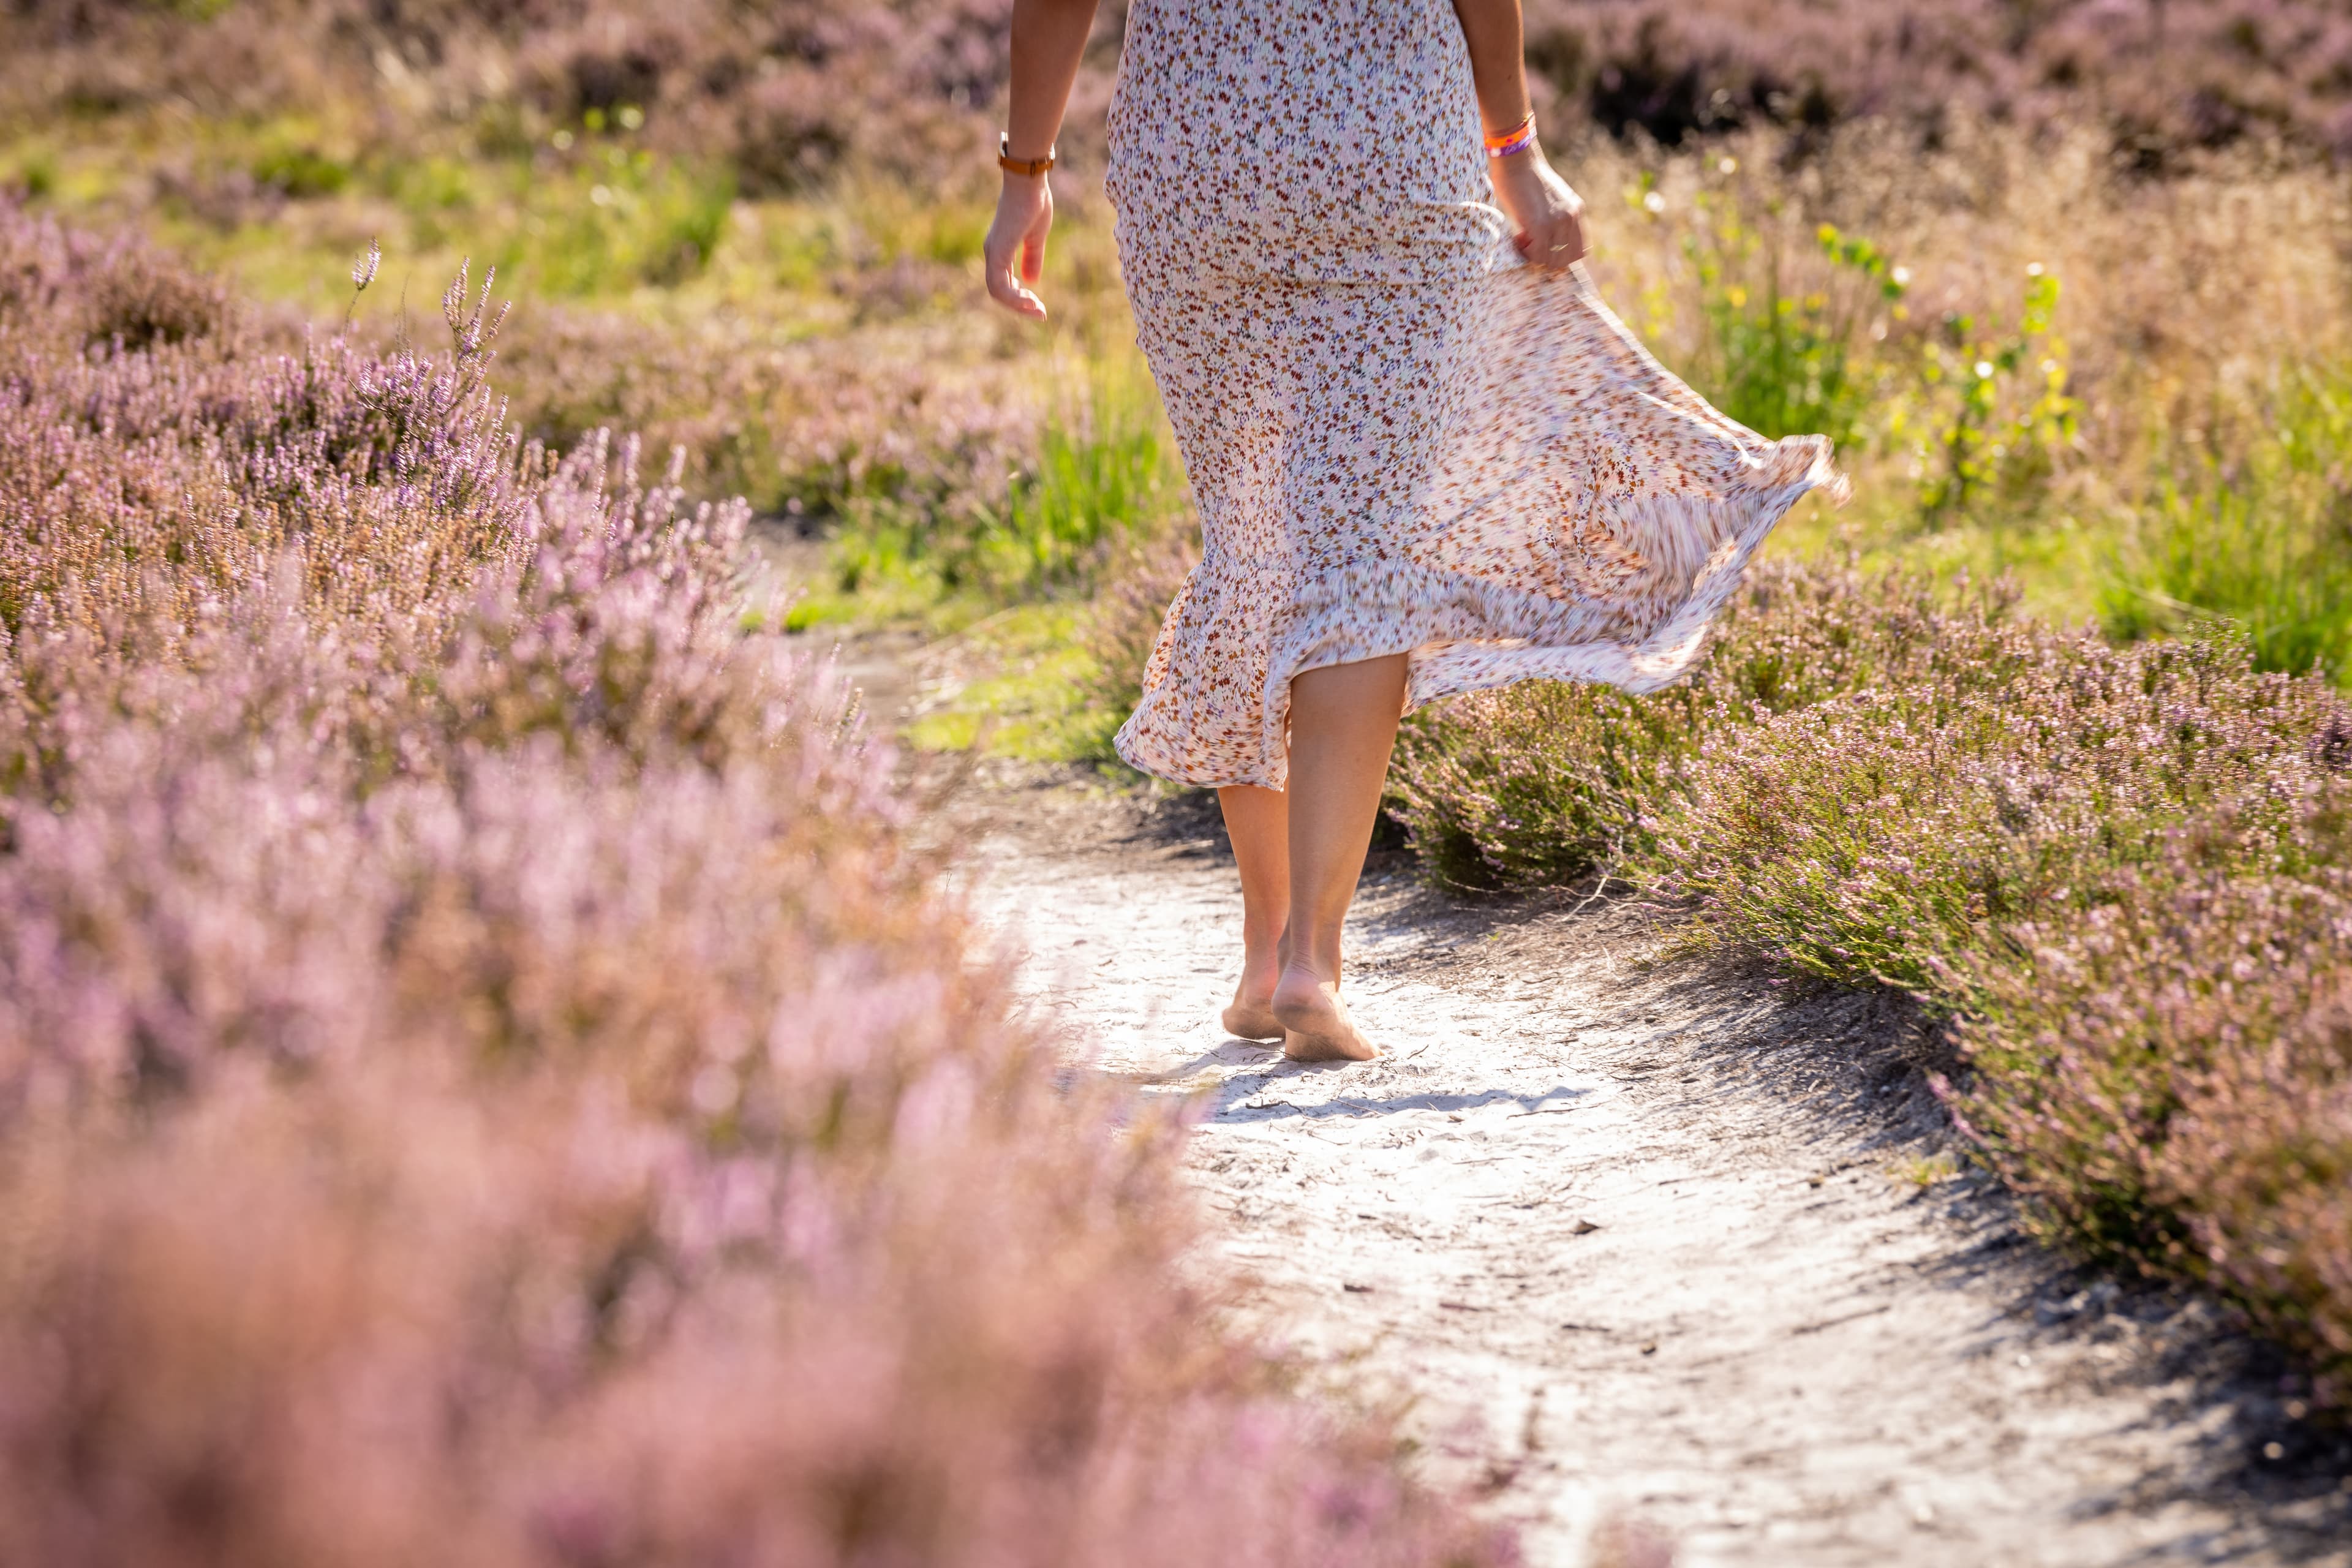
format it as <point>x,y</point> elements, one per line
<point>1343,722</point>
<point>1258,823</point>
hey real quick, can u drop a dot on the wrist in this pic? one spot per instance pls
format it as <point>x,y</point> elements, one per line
<point>1024,168</point>
<point>1024,190</point>
<point>1521,171</point>
<point>1513,141</point>
<point>1495,130</point>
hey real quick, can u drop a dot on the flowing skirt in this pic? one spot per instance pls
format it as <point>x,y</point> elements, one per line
<point>1401,438</point>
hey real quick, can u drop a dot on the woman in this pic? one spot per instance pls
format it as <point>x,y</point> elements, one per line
<point>1427,459</point>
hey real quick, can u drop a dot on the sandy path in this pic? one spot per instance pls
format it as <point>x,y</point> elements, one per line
<point>1643,1240</point>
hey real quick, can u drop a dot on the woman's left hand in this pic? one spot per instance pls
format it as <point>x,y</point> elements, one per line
<point>1549,216</point>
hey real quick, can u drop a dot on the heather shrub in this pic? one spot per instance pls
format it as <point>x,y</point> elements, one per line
<point>931,480</point>
<point>2167,1075</point>
<point>482,1075</point>
<point>2119,871</point>
<point>785,95</point>
<point>650,1182</point>
<point>147,483</point>
<point>1550,780</point>
<point>822,432</point>
<point>791,94</point>
<point>78,290</point>
<point>1876,834</point>
<point>2165,80</point>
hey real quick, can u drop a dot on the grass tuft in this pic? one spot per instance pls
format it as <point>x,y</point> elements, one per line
<point>2261,543</point>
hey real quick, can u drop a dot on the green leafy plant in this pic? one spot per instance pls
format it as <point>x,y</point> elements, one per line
<point>1994,413</point>
<point>1779,356</point>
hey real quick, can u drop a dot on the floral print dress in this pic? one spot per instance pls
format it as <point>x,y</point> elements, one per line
<point>1401,437</point>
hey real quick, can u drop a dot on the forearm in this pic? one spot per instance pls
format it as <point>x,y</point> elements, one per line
<point>1049,36</point>
<point>1497,38</point>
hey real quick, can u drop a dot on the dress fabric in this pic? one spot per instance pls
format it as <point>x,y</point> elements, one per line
<point>1401,437</point>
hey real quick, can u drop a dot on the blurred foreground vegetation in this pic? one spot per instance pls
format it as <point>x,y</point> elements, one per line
<point>486,1074</point>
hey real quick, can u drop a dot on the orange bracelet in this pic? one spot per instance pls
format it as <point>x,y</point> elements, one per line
<point>1013,165</point>
<point>1517,139</point>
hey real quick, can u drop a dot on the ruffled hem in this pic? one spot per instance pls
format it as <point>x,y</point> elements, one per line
<point>1460,632</point>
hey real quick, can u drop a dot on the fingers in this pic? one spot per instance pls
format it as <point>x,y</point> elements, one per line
<point>1560,247</point>
<point>1013,256</point>
<point>1009,265</point>
<point>1007,292</point>
<point>1005,288</point>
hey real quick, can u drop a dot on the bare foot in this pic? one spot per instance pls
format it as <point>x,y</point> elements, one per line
<point>1250,1014</point>
<point>1315,1025</point>
<point>1251,1021</point>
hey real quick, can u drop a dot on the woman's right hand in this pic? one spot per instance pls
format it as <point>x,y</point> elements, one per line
<point>1014,253</point>
<point>1550,216</point>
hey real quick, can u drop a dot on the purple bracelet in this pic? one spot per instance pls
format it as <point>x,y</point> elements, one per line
<point>1519,140</point>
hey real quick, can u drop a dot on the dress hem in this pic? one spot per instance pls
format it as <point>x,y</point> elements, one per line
<point>1446,665</point>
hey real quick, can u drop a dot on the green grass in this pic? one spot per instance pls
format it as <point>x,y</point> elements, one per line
<point>1024,695</point>
<point>603,220</point>
<point>2262,545</point>
<point>578,213</point>
<point>1105,472</point>
<point>1104,468</point>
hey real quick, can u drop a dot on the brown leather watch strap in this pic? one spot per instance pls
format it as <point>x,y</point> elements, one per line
<point>1013,165</point>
